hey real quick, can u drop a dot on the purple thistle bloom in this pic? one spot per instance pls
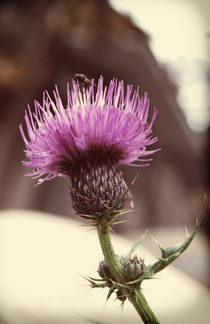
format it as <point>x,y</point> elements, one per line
<point>108,129</point>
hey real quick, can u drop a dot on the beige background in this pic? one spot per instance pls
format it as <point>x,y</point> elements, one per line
<point>42,258</point>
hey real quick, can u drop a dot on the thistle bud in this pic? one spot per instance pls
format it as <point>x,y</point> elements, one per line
<point>104,271</point>
<point>134,267</point>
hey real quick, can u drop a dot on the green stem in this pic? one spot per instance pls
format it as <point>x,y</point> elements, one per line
<point>108,251</point>
<point>136,297</point>
<point>143,309</point>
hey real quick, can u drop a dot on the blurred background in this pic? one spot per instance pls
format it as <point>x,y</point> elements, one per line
<point>161,45</point>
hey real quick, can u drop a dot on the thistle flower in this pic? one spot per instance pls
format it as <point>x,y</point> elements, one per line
<point>88,139</point>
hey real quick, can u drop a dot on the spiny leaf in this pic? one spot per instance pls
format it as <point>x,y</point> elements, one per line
<point>97,279</point>
<point>119,285</point>
<point>93,283</point>
<point>110,292</point>
<point>170,254</point>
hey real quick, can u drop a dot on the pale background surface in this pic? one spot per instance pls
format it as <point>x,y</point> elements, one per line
<point>41,259</point>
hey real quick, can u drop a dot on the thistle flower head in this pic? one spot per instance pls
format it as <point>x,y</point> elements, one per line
<point>109,126</point>
<point>91,133</point>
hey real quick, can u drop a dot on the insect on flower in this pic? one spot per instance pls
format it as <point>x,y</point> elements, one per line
<point>82,81</point>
